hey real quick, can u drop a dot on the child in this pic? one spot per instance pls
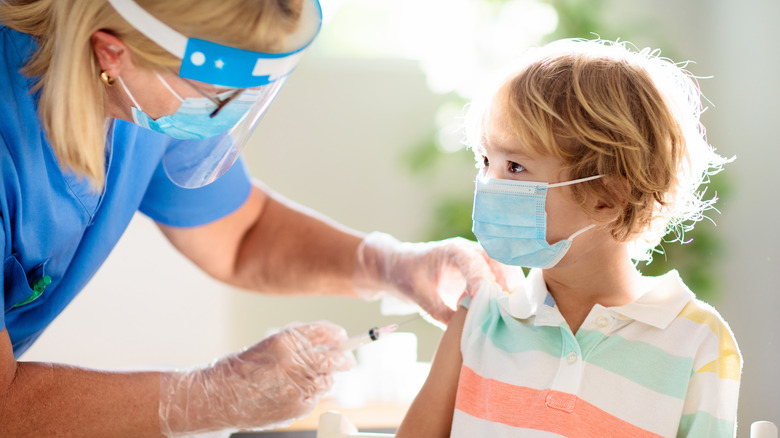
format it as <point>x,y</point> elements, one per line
<point>588,153</point>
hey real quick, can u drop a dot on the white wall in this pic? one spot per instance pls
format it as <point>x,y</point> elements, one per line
<point>146,307</point>
<point>743,51</point>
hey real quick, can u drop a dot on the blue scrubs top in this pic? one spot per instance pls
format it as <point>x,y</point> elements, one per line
<point>55,225</point>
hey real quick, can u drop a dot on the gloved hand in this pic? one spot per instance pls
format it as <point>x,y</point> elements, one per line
<point>429,274</point>
<point>272,383</point>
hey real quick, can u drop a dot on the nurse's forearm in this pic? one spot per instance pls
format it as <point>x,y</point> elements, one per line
<point>272,245</point>
<point>58,400</point>
<point>292,250</point>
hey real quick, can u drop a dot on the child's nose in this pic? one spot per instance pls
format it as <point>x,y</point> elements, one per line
<point>493,172</point>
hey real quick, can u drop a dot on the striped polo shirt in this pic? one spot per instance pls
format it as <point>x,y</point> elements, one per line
<point>665,365</point>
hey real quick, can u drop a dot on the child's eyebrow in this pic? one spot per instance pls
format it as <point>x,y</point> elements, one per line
<point>509,152</point>
<point>499,147</point>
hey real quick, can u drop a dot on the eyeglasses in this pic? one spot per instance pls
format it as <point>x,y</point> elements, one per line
<point>222,102</point>
<point>218,101</point>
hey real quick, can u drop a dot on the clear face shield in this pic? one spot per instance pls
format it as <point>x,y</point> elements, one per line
<point>209,133</point>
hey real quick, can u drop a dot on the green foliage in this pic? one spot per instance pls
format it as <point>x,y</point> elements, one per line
<point>696,258</point>
<point>577,18</point>
<point>423,157</point>
<point>453,219</point>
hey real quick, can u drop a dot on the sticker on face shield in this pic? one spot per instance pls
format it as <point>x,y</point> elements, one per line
<point>216,64</point>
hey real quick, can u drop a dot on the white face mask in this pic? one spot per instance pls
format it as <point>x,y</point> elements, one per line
<point>193,121</point>
<point>510,222</point>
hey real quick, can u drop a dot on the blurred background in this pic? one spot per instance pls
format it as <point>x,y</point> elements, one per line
<point>367,133</point>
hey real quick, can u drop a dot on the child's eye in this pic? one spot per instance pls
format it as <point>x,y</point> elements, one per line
<point>515,168</point>
<point>485,161</point>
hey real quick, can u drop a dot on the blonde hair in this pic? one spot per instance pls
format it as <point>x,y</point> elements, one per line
<point>631,116</point>
<point>73,103</point>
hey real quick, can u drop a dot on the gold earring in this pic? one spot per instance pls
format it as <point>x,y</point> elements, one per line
<point>108,80</point>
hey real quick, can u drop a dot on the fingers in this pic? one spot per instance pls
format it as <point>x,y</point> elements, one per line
<point>321,333</point>
<point>272,382</point>
<point>478,269</point>
<point>432,274</point>
<point>329,361</point>
<point>474,265</point>
<point>315,345</point>
<point>508,277</point>
<point>442,314</point>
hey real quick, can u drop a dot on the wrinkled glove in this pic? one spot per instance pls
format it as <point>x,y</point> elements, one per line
<point>270,384</point>
<point>432,274</point>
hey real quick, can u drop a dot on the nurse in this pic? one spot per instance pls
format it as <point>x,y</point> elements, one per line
<point>115,106</point>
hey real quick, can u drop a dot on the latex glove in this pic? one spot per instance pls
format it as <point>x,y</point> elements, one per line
<point>432,274</point>
<point>270,384</point>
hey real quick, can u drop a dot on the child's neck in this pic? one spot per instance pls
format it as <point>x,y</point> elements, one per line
<point>577,289</point>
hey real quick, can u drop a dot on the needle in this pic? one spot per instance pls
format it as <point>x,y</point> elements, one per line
<point>373,334</point>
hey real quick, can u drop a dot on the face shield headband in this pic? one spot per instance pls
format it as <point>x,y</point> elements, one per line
<point>193,163</point>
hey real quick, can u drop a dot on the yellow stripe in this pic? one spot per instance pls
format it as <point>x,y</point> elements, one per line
<point>728,365</point>
<point>727,368</point>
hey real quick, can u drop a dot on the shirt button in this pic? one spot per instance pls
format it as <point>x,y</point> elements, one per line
<point>571,358</point>
<point>602,321</point>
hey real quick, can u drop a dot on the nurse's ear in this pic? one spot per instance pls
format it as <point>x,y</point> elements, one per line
<point>111,52</point>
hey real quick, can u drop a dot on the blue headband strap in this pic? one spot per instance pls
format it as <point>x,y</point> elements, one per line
<point>218,64</point>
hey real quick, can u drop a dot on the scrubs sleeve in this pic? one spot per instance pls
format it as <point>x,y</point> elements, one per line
<point>4,302</point>
<point>172,205</point>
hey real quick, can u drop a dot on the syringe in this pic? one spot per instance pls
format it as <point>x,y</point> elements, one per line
<point>371,336</point>
<point>365,338</point>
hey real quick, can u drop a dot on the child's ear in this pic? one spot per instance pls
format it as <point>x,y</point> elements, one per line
<point>607,208</point>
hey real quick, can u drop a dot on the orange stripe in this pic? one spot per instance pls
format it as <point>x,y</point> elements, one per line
<point>545,410</point>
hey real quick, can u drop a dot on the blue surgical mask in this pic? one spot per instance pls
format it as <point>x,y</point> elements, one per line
<point>193,121</point>
<point>510,222</point>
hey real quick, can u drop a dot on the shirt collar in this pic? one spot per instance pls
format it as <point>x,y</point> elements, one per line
<point>528,298</point>
<point>658,306</point>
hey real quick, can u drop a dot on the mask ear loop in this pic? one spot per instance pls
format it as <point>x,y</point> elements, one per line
<point>560,255</point>
<point>567,183</point>
<point>168,86</point>
<point>575,181</point>
<point>129,94</point>
<point>577,233</point>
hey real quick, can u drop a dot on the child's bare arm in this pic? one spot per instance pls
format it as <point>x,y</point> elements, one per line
<point>430,415</point>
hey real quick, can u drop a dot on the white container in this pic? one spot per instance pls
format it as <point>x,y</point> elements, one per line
<point>763,429</point>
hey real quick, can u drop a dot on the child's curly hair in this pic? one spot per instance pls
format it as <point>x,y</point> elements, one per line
<point>631,116</point>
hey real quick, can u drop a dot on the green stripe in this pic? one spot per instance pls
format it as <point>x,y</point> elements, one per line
<point>640,362</point>
<point>704,425</point>
<point>520,337</point>
<point>643,364</point>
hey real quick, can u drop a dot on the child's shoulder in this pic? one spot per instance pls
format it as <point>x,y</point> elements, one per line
<point>707,316</point>
<point>719,350</point>
<point>526,296</point>
<point>714,331</point>
<point>694,309</point>
<point>483,295</point>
